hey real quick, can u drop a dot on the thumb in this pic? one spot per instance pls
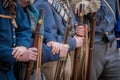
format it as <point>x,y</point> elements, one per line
<point>49,44</point>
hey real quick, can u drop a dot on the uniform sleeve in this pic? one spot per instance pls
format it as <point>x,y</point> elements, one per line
<point>23,32</point>
<point>51,28</point>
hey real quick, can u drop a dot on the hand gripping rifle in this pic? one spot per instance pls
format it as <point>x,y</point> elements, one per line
<point>37,41</point>
<point>62,61</point>
<point>81,57</point>
<point>77,50</point>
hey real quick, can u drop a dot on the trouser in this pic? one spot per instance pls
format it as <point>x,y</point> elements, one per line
<point>49,70</point>
<point>20,70</point>
<point>106,62</point>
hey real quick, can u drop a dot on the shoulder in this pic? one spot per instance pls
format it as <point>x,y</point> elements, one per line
<point>42,4</point>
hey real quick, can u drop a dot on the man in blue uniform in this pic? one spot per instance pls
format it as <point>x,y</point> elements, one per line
<point>15,36</point>
<point>55,24</point>
<point>106,58</point>
<point>47,55</point>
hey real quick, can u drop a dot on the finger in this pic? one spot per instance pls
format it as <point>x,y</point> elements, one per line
<point>33,53</point>
<point>17,54</point>
<point>57,51</point>
<point>79,28</point>
<point>50,44</point>
<point>54,50</point>
<point>14,51</point>
<point>30,52</point>
<point>80,34</point>
<point>80,31</point>
<point>32,57</point>
<point>33,49</point>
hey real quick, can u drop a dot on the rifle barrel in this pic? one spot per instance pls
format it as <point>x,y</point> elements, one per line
<point>62,61</point>
<point>91,45</point>
<point>77,50</point>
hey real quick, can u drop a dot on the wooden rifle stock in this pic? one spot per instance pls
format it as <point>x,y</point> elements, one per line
<point>62,61</point>
<point>92,31</point>
<point>38,64</point>
<point>77,50</point>
<point>35,43</point>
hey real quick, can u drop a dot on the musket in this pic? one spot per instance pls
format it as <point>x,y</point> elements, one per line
<point>35,44</point>
<point>61,61</point>
<point>38,64</point>
<point>92,31</point>
<point>81,53</point>
<point>77,50</point>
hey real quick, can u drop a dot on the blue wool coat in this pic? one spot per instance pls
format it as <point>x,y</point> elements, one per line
<point>11,37</point>
<point>33,15</point>
<point>54,25</point>
<point>105,23</point>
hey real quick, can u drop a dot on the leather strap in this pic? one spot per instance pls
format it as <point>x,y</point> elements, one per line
<point>9,17</point>
<point>5,16</point>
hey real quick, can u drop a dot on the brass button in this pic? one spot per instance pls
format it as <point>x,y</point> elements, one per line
<point>14,44</point>
<point>14,36</point>
<point>13,29</point>
<point>106,33</point>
